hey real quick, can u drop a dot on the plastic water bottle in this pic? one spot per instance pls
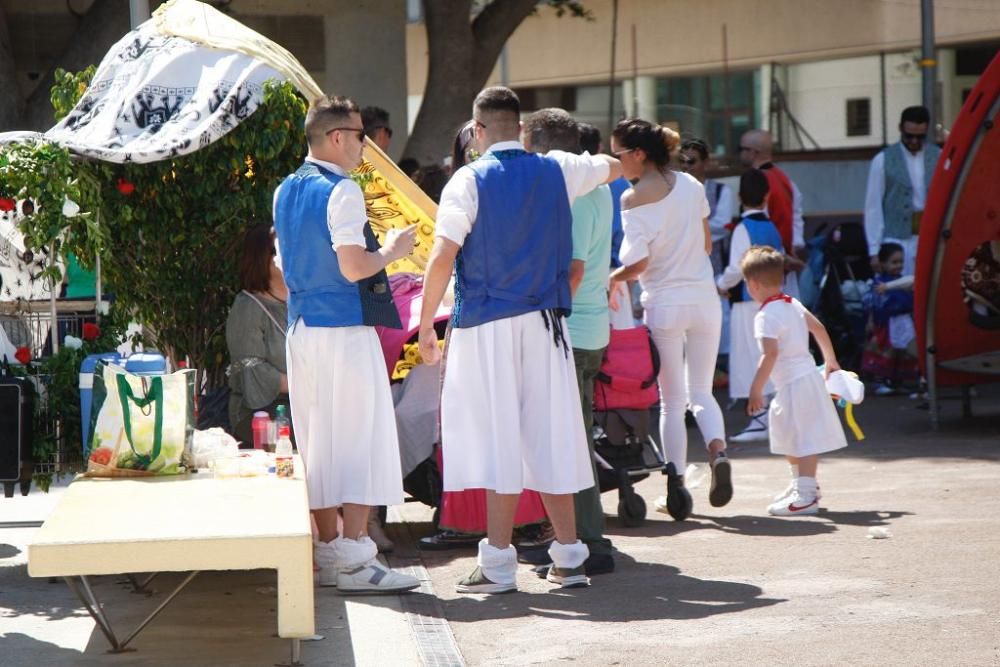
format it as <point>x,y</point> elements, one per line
<point>283,425</point>
<point>258,425</point>
<point>284,464</point>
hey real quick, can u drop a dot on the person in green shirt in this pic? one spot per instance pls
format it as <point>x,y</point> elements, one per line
<point>589,326</point>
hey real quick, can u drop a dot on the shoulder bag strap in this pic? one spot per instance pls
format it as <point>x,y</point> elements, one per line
<point>266,312</point>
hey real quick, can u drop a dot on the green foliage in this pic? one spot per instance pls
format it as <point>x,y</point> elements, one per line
<point>59,377</point>
<point>170,232</point>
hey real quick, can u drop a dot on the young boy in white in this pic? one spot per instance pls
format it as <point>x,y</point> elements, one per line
<point>804,423</point>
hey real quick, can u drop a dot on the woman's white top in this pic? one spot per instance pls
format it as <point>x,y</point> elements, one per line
<point>671,234</point>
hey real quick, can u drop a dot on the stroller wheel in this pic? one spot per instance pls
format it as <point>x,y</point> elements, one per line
<point>632,510</point>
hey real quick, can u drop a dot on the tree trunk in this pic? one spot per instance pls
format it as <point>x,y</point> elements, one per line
<point>12,101</point>
<point>462,53</point>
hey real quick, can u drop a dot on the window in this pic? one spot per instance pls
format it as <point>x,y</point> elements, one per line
<point>717,107</point>
<point>859,117</point>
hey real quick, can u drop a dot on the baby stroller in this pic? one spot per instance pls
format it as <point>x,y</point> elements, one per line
<point>624,390</point>
<point>834,284</point>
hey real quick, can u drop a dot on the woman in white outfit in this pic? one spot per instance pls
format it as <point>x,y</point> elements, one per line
<point>667,246</point>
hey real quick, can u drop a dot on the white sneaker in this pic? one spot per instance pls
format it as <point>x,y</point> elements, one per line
<point>323,554</point>
<point>794,505</point>
<point>374,577</point>
<point>755,431</point>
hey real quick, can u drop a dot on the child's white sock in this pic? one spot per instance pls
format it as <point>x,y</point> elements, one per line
<point>794,468</point>
<point>806,486</point>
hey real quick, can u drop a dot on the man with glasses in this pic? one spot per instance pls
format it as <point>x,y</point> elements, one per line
<point>693,159</point>
<point>898,181</point>
<point>338,293</point>
<point>377,128</point>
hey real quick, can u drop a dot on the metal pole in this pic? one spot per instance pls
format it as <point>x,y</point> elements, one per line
<point>53,315</point>
<point>928,62</point>
<point>138,11</point>
<point>611,74</point>
<point>885,97</point>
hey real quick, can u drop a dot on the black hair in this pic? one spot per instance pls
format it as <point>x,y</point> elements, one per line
<point>697,145</point>
<point>552,129</point>
<point>462,144</point>
<point>373,118</point>
<point>753,188</point>
<point>409,166</point>
<point>918,115</point>
<point>497,98</point>
<point>656,141</point>
<point>590,138</point>
<point>326,113</point>
<point>887,250</point>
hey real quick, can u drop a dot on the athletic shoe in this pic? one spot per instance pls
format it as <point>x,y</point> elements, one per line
<point>373,577</point>
<point>794,505</point>
<point>536,556</point>
<point>448,539</point>
<point>566,577</point>
<point>755,431</point>
<point>721,491</point>
<point>323,556</point>
<point>477,582</point>
<point>533,536</point>
<point>594,565</point>
<point>883,390</point>
<point>677,503</point>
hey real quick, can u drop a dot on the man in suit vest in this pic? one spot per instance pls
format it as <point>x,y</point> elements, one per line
<point>784,203</point>
<point>510,405</point>
<point>898,181</point>
<point>338,293</point>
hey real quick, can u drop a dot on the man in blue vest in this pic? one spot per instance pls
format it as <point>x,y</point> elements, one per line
<point>510,407</point>
<point>898,181</point>
<point>337,293</point>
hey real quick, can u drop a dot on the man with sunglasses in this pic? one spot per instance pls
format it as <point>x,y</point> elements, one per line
<point>338,292</point>
<point>377,128</point>
<point>898,181</point>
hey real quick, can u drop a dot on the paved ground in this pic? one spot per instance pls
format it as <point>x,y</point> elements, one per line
<point>728,586</point>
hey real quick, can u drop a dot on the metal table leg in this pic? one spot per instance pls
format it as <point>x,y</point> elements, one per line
<point>141,586</point>
<point>93,606</point>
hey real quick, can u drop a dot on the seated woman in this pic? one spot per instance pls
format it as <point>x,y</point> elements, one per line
<point>255,335</point>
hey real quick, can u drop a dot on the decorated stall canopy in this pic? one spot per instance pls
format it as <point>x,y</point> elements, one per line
<point>188,76</point>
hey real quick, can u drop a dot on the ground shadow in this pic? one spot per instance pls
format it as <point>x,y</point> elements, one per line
<point>862,518</point>
<point>753,525</point>
<point>635,592</point>
<point>8,551</point>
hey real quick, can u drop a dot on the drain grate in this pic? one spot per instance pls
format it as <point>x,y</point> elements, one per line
<point>434,639</point>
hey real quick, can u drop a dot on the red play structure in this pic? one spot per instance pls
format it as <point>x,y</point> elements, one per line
<point>958,323</point>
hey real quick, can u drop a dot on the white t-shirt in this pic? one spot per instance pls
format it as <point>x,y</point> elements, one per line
<point>671,234</point>
<point>460,198</point>
<point>786,323</point>
<point>345,211</point>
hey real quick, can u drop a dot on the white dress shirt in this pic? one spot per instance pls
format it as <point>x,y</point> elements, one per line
<point>874,218</point>
<point>460,198</point>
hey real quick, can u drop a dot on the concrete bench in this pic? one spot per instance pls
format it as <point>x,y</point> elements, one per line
<point>186,523</point>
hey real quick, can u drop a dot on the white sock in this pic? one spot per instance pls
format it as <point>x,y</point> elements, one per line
<point>806,486</point>
<point>568,556</point>
<point>794,468</point>
<point>353,553</point>
<point>499,565</point>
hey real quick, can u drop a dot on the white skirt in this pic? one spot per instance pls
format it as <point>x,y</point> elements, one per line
<point>803,419</point>
<point>510,410</point>
<point>345,427</point>
<point>744,352</point>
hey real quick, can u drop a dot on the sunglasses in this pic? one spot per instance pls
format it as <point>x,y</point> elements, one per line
<point>914,137</point>
<point>622,152</point>
<point>688,161</point>
<point>388,130</point>
<point>746,149</point>
<point>360,131</point>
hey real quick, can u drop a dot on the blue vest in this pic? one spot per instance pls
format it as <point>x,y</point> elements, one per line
<point>761,232</point>
<point>897,201</point>
<point>317,291</point>
<point>516,258</point>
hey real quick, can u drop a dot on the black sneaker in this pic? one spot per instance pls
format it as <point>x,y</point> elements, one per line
<point>533,536</point>
<point>721,491</point>
<point>477,582</point>
<point>448,539</point>
<point>568,577</point>
<point>677,503</point>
